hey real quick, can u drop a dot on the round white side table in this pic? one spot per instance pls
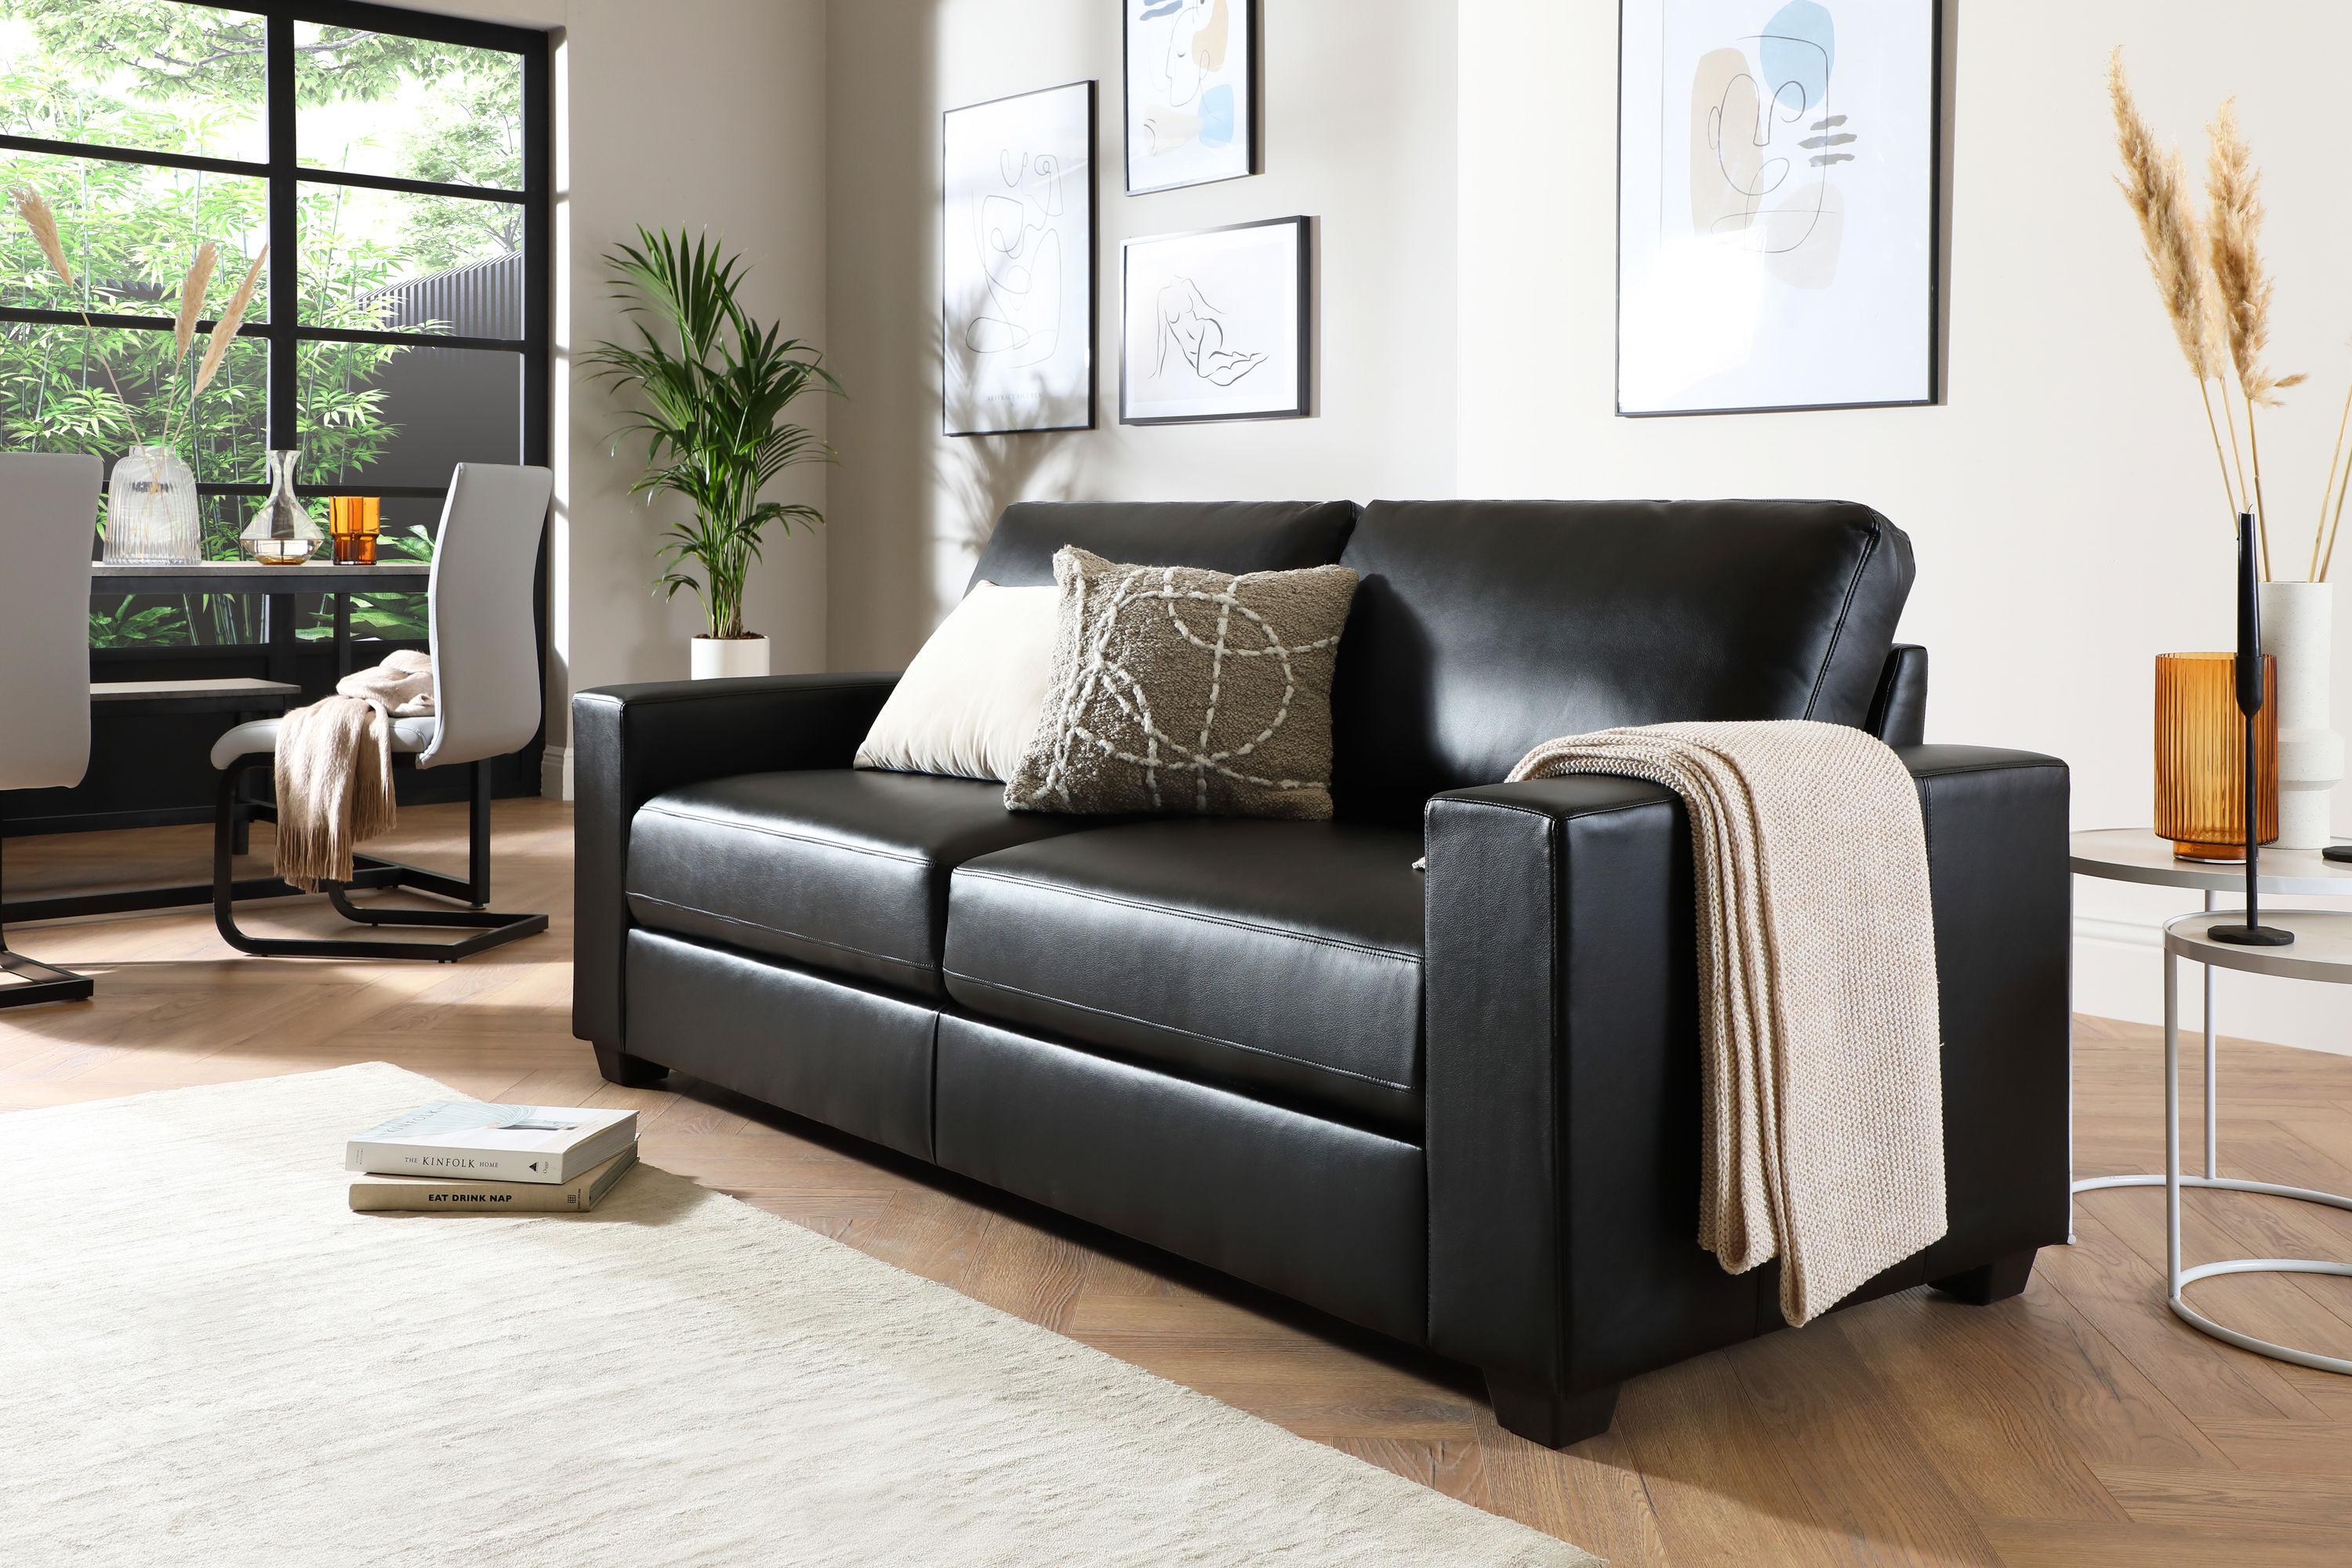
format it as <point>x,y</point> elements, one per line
<point>2136,855</point>
<point>2322,951</point>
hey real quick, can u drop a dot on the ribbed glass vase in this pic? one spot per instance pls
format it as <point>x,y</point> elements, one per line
<point>2201,756</point>
<point>150,510</point>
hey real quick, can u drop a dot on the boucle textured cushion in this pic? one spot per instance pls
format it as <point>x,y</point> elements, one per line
<point>1179,690</point>
<point>967,704</point>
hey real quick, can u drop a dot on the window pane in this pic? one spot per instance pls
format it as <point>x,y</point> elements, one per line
<point>372,104</point>
<point>128,233</point>
<point>154,75</point>
<point>185,620</point>
<point>69,389</point>
<point>377,414</point>
<point>408,527</point>
<point>378,261</point>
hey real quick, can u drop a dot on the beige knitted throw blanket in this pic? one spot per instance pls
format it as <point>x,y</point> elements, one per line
<point>1823,1137</point>
<point>334,768</point>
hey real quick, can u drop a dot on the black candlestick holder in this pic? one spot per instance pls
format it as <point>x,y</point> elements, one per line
<point>2252,932</point>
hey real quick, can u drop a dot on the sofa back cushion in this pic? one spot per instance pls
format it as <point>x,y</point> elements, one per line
<point>1482,627</point>
<point>1221,536</point>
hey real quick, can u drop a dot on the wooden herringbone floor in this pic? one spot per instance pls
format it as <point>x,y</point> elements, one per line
<point>2080,1424</point>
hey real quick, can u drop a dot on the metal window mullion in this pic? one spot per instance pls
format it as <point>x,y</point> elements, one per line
<point>40,318</point>
<point>285,252</point>
<point>324,176</point>
<point>103,154</point>
<point>285,296</point>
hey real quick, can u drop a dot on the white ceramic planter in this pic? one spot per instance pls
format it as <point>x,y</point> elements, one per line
<point>2298,631</point>
<point>717,658</point>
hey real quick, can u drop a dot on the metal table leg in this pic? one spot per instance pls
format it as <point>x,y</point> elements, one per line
<point>2178,1278</point>
<point>2212,1177</point>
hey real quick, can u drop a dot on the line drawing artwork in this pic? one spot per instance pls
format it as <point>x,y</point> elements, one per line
<point>1017,240</point>
<point>1017,236</point>
<point>1195,329</point>
<point>1778,243</point>
<point>1189,53</point>
<point>1189,116</point>
<point>1765,145</point>
<point>1213,324</point>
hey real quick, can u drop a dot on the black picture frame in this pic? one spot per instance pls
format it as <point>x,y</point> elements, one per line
<point>1093,273</point>
<point>1302,403</point>
<point>1938,261</point>
<point>1250,118</point>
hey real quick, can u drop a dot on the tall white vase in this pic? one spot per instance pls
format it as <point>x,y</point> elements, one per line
<point>2298,631</point>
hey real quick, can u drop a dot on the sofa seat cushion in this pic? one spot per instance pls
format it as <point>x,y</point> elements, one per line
<point>1282,959</point>
<point>837,869</point>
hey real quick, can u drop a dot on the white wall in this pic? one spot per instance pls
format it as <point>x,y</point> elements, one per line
<point>2061,500</point>
<point>685,113</point>
<point>1359,134</point>
<point>2068,519</point>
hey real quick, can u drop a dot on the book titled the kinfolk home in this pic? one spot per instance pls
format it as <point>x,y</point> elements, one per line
<point>440,1194</point>
<point>469,1140</point>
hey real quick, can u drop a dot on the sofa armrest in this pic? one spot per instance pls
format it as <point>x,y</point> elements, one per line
<point>1562,1073</point>
<point>632,743</point>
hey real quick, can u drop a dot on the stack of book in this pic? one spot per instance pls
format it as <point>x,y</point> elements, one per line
<point>462,1156</point>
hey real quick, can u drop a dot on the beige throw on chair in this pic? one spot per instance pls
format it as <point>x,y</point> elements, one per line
<point>1823,1136</point>
<point>334,768</point>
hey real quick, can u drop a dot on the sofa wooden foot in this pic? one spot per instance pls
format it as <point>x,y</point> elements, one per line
<point>628,1071</point>
<point>1531,1411</point>
<point>1990,1282</point>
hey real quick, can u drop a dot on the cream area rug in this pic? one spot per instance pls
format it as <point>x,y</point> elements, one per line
<point>205,1358</point>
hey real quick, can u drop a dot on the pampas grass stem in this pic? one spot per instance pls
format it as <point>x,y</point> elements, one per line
<point>42,220</point>
<point>2324,548</point>
<point>2334,461</point>
<point>2155,185</point>
<point>192,295</point>
<point>184,328</point>
<point>2205,397</point>
<point>2262,528</point>
<point>2233,248</point>
<point>225,330</point>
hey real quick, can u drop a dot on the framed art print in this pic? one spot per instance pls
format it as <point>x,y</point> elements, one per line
<point>1018,236</point>
<point>1213,324</point>
<point>1777,241</point>
<point>1192,96</point>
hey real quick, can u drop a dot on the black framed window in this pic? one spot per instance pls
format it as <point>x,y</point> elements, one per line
<point>395,164</point>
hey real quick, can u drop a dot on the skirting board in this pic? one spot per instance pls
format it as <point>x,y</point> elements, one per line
<point>555,772</point>
<point>2119,974</point>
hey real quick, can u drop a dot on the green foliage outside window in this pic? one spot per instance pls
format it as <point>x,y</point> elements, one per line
<point>163,76</point>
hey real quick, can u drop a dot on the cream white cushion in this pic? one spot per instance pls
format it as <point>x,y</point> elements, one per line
<point>967,704</point>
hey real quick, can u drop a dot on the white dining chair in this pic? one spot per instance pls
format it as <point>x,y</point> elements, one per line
<point>48,519</point>
<point>486,703</point>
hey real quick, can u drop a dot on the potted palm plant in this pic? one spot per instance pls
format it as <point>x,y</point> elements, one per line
<point>710,386</point>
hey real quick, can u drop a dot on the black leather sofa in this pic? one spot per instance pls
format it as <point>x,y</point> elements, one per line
<point>1462,1108</point>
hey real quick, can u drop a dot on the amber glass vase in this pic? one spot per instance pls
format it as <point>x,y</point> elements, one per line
<point>2201,756</point>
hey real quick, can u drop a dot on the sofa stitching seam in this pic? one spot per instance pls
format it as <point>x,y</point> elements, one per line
<point>779,931</point>
<point>1366,948</point>
<point>676,815</point>
<point>1174,1029</point>
<point>1837,628</point>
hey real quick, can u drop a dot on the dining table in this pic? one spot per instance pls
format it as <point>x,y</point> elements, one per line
<point>280,584</point>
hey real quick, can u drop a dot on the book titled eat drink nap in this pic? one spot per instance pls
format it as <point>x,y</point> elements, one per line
<point>442,1195</point>
<point>474,1142</point>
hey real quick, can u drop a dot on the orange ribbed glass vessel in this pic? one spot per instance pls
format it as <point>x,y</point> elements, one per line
<point>2201,756</point>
